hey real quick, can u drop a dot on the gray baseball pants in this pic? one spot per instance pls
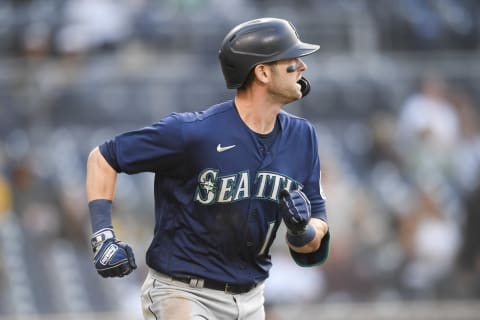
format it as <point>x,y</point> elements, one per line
<point>166,299</point>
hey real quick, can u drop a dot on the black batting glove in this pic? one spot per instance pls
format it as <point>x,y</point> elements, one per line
<point>112,258</point>
<point>296,210</point>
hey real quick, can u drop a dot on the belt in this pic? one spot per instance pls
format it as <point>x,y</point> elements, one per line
<point>216,285</point>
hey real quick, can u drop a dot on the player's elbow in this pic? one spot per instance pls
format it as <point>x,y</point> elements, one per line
<point>93,156</point>
<point>96,160</point>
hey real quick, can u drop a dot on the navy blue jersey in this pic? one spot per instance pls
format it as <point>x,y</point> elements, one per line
<point>216,188</point>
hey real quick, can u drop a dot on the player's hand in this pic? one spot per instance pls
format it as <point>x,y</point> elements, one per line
<point>296,210</point>
<point>112,258</point>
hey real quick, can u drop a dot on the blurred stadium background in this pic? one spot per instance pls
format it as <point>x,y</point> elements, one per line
<point>395,98</point>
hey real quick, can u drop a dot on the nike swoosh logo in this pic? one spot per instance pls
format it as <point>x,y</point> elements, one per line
<point>221,149</point>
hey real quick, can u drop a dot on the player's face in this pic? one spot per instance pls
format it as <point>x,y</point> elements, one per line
<point>285,74</point>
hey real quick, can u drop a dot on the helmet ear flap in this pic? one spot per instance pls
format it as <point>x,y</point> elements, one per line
<point>304,86</point>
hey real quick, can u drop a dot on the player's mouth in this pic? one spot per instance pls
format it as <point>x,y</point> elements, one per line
<point>299,86</point>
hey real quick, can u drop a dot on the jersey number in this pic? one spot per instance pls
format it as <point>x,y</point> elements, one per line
<point>267,238</point>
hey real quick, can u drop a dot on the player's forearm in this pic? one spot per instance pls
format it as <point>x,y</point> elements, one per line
<point>321,229</point>
<point>101,177</point>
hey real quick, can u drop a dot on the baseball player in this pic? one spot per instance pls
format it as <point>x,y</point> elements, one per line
<point>225,179</point>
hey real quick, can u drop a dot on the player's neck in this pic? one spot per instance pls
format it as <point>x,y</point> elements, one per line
<point>258,114</point>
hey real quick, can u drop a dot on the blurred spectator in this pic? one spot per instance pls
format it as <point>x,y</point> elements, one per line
<point>36,42</point>
<point>386,169</point>
<point>382,148</point>
<point>466,153</point>
<point>431,242</point>
<point>92,24</point>
<point>428,128</point>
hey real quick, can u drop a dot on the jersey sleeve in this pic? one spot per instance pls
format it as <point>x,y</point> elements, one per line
<point>158,148</point>
<point>314,192</point>
<point>313,187</point>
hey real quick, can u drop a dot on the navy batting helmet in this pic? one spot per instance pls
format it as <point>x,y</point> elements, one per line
<point>259,41</point>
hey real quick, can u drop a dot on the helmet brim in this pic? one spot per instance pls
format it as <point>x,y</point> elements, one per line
<point>300,49</point>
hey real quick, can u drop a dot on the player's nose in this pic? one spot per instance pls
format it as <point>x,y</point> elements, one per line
<point>301,65</point>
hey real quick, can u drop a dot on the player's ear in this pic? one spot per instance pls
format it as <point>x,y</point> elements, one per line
<point>262,73</point>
